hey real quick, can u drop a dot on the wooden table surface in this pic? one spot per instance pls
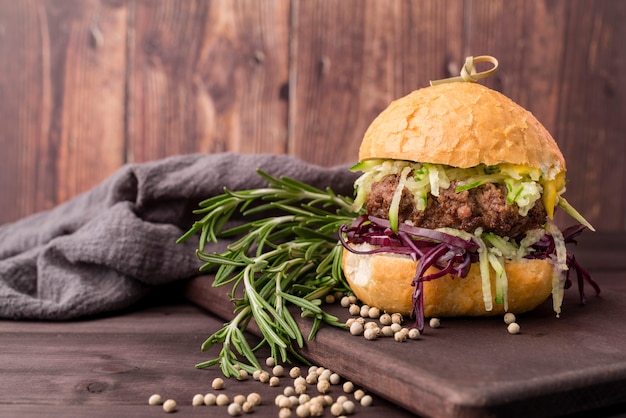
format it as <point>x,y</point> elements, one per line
<point>109,366</point>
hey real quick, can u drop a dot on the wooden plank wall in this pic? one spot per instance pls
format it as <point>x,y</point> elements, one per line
<point>89,85</point>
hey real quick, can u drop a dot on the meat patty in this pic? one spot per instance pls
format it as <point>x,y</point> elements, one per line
<point>484,207</point>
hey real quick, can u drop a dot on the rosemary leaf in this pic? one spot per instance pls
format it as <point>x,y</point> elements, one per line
<point>283,254</point>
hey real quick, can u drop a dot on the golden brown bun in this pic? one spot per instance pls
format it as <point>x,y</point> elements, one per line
<point>384,281</point>
<point>461,125</point>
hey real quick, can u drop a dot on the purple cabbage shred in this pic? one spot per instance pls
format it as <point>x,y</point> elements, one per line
<point>448,253</point>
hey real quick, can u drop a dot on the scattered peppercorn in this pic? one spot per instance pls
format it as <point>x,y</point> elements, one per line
<point>218,383</point>
<point>155,400</point>
<point>366,400</point>
<point>197,400</point>
<point>234,409</point>
<point>513,328</point>
<point>509,318</point>
<point>169,405</point>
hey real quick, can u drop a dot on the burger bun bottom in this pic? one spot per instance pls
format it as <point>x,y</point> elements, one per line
<point>384,280</point>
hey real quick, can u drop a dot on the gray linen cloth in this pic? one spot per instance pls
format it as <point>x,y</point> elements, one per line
<point>107,248</point>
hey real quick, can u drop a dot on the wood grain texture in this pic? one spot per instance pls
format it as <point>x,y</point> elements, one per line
<point>207,77</point>
<point>63,100</point>
<point>110,366</point>
<point>352,58</point>
<point>591,122</point>
<point>561,61</point>
<point>87,86</point>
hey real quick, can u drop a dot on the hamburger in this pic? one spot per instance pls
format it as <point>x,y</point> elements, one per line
<point>458,191</point>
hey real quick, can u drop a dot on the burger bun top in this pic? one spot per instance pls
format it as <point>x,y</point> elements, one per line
<point>463,125</point>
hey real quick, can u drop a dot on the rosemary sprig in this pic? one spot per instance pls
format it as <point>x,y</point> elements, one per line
<point>284,253</point>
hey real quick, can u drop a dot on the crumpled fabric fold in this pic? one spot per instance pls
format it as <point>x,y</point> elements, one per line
<point>105,249</point>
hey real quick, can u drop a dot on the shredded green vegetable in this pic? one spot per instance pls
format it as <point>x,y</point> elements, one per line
<point>524,185</point>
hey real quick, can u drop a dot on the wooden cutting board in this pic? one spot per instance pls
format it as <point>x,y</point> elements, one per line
<point>474,367</point>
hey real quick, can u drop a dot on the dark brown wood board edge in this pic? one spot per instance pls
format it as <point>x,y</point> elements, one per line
<point>570,392</point>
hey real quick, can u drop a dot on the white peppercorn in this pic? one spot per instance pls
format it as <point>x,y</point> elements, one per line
<point>385,319</point>
<point>399,336</point>
<point>303,410</point>
<point>278,370</point>
<point>254,398</point>
<point>434,322</point>
<point>247,407</point>
<point>509,318</point>
<point>336,409</point>
<point>234,409</point>
<point>294,372</point>
<point>311,378</point>
<point>348,387</point>
<point>218,383</point>
<point>513,328</point>
<point>197,400</point>
<point>155,400</point>
<point>366,400</point>
<point>169,405</point>
<point>371,333</point>
<point>210,399</point>
<point>323,386</point>
<point>386,331</point>
<point>354,309</point>
<point>325,375</point>
<point>283,402</point>
<point>316,409</point>
<point>359,394</point>
<point>356,328</point>
<point>370,324</point>
<point>373,312</point>
<point>349,407</point>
